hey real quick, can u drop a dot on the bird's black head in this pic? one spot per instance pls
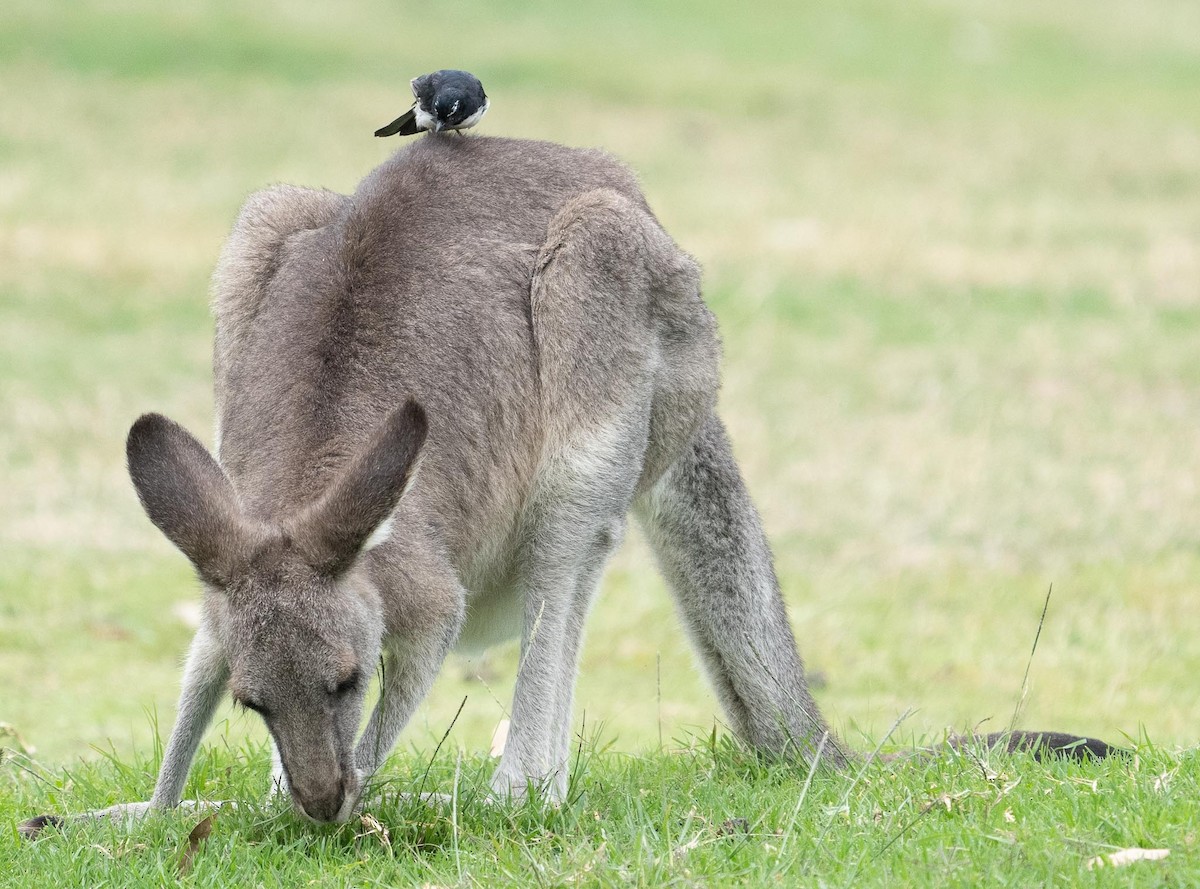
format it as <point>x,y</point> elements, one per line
<point>452,106</point>
<point>452,97</point>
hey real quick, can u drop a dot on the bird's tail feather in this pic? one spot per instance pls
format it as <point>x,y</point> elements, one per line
<point>404,125</point>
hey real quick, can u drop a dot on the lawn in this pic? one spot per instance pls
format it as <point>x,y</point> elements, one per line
<point>955,251</point>
<point>696,814</point>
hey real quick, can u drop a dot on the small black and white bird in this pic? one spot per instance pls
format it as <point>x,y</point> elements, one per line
<point>446,100</point>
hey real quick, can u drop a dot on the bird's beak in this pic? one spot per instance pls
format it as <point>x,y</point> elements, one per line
<point>437,126</point>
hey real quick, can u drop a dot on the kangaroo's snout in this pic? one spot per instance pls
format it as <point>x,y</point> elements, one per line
<point>322,804</point>
<point>328,799</point>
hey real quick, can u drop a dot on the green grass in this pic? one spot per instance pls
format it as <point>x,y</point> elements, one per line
<point>954,251</point>
<point>699,814</point>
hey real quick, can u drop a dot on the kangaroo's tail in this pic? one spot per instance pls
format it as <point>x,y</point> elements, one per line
<point>1044,745</point>
<point>710,546</point>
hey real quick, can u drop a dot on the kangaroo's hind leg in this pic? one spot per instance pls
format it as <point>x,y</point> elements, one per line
<point>711,548</point>
<point>593,307</point>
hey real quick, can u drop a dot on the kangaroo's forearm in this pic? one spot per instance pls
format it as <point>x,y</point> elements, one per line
<point>203,687</point>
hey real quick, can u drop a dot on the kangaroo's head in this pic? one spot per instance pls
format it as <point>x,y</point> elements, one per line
<point>289,602</point>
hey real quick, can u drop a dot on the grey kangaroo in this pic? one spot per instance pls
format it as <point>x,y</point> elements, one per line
<point>437,401</point>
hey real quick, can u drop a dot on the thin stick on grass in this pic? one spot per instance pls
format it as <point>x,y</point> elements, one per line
<point>812,770</point>
<point>438,748</point>
<point>576,771</point>
<point>454,814</point>
<point>862,771</point>
<point>1029,663</point>
<point>12,758</point>
<point>921,813</point>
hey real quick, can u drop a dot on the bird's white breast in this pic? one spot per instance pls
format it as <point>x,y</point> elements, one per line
<point>424,119</point>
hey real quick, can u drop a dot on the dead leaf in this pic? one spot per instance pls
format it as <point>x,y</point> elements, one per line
<point>198,835</point>
<point>373,828</point>
<point>691,844</point>
<point>946,799</point>
<point>1009,787</point>
<point>1126,856</point>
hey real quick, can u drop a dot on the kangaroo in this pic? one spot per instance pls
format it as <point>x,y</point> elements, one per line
<point>438,399</point>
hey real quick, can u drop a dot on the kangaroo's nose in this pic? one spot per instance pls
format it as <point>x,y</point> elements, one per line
<point>323,806</point>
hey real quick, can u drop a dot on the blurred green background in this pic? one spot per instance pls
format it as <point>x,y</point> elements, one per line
<point>955,251</point>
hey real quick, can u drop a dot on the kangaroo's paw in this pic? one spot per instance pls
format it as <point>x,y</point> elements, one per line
<point>513,788</point>
<point>124,813</point>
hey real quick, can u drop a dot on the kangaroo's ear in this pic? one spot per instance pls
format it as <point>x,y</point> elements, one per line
<point>186,494</point>
<point>359,502</point>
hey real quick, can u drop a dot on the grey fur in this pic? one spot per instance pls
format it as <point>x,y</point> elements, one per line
<point>525,296</point>
<point>437,401</point>
<point>522,296</point>
<point>711,548</point>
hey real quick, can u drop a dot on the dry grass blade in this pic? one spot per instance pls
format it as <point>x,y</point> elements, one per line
<point>373,827</point>
<point>1029,663</point>
<point>1123,857</point>
<point>7,730</point>
<point>438,748</point>
<point>198,835</point>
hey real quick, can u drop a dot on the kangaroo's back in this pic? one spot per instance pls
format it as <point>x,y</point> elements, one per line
<point>331,310</point>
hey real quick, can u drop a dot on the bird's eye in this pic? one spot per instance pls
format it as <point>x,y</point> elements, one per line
<point>347,685</point>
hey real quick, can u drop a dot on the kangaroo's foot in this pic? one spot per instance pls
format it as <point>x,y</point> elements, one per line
<point>125,813</point>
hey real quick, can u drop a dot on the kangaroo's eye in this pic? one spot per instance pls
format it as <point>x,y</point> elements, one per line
<point>347,685</point>
<point>255,706</point>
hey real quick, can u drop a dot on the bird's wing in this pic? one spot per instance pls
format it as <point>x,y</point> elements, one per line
<point>404,125</point>
<point>424,87</point>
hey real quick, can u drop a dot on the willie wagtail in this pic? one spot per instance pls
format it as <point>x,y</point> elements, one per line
<point>446,100</point>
